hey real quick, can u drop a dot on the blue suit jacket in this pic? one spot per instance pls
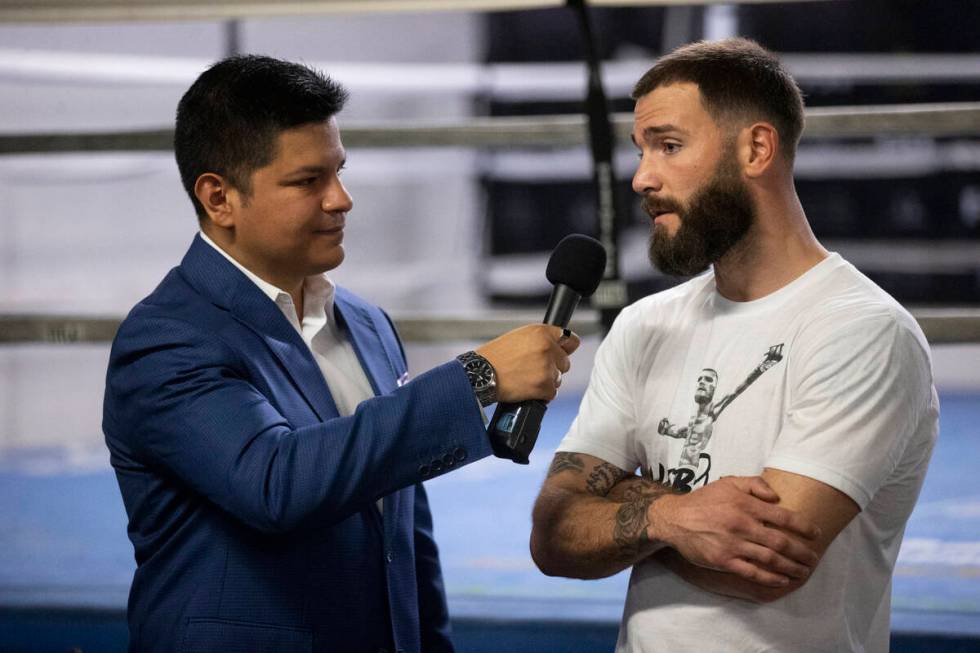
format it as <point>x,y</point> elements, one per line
<point>251,503</point>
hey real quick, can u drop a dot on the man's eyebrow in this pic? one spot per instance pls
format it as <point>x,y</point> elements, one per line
<point>305,169</point>
<point>313,169</point>
<point>650,133</point>
<point>658,130</point>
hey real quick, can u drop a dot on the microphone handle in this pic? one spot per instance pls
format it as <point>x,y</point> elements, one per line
<point>514,428</point>
<point>561,305</point>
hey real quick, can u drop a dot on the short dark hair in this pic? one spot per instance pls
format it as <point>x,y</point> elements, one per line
<point>229,119</point>
<point>739,80</point>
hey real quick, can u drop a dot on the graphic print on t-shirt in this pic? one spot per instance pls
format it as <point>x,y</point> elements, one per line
<point>697,433</point>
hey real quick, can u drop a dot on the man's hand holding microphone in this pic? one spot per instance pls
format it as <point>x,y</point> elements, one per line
<point>529,361</point>
<point>522,369</point>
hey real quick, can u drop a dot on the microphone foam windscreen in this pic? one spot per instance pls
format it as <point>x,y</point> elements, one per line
<point>577,262</point>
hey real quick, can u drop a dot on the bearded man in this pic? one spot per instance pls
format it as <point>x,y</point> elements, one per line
<point>819,462</point>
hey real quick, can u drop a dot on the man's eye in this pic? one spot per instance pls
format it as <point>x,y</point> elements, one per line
<point>306,181</point>
<point>671,148</point>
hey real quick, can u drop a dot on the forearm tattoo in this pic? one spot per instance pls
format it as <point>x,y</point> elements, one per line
<point>565,460</point>
<point>603,477</point>
<point>630,530</point>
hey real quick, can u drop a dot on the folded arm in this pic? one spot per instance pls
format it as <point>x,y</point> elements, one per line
<point>579,530</point>
<point>593,519</point>
<point>826,507</point>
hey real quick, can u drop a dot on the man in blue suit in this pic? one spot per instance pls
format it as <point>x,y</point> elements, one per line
<point>268,446</point>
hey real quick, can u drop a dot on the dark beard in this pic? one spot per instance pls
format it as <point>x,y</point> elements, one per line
<point>717,217</point>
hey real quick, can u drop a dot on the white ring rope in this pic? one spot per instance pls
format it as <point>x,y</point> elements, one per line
<point>948,119</point>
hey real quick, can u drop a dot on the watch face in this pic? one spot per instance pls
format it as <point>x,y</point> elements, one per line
<point>480,373</point>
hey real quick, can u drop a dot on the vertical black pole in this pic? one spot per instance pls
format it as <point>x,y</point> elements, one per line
<point>233,38</point>
<point>611,294</point>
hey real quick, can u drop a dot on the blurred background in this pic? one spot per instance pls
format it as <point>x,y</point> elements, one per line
<point>451,231</point>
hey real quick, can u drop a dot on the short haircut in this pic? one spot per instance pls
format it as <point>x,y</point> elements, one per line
<point>229,119</point>
<point>740,82</point>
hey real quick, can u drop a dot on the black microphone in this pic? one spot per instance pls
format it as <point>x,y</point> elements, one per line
<point>575,268</point>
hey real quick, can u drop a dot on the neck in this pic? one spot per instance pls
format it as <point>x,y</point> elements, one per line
<point>778,249</point>
<point>291,283</point>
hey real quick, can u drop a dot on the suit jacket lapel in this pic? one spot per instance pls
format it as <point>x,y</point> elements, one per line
<point>368,344</point>
<point>282,338</point>
<point>374,353</point>
<point>227,287</point>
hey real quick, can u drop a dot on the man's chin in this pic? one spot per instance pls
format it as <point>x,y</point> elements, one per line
<point>668,263</point>
<point>330,260</point>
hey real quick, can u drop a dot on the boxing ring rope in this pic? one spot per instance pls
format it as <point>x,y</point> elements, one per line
<point>939,119</point>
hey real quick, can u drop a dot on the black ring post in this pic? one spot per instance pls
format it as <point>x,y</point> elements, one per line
<point>610,297</point>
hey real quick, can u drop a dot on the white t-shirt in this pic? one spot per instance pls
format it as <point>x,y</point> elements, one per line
<point>828,377</point>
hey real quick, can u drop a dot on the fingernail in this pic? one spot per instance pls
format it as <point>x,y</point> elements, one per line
<point>566,334</point>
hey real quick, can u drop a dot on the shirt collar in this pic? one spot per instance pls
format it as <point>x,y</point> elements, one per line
<point>318,289</point>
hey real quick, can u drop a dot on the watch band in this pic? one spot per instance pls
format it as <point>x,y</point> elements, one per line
<point>481,375</point>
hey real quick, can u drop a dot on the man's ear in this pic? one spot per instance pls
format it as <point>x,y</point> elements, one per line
<point>217,197</point>
<point>759,148</point>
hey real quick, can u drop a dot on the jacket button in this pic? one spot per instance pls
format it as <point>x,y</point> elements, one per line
<point>448,460</point>
<point>389,556</point>
<point>424,470</point>
<point>460,454</point>
<point>436,466</point>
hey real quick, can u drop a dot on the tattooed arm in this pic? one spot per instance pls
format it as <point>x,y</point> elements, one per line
<point>579,530</point>
<point>593,519</point>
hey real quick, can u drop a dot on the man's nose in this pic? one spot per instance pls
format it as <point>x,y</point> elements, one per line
<point>337,199</point>
<point>646,178</point>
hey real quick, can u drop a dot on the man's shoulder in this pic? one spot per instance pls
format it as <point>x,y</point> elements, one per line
<point>173,309</point>
<point>851,301</point>
<point>850,312</point>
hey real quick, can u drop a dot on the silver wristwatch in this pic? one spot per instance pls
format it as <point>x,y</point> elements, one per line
<point>482,376</point>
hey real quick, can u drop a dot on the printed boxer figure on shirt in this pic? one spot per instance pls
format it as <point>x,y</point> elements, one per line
<point>698,431</point>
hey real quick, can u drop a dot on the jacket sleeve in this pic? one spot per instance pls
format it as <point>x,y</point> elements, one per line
<point>180,399</point>
<point>433,611</point>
